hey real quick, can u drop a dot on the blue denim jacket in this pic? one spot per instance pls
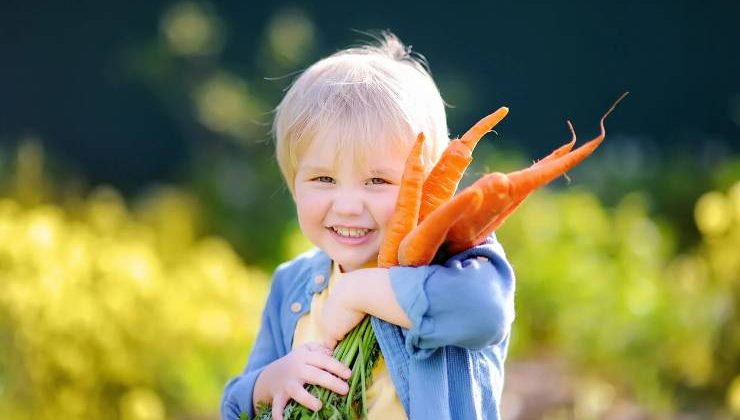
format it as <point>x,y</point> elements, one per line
<point>449,365</point>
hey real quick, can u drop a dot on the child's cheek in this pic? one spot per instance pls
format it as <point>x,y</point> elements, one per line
<point>305,206</point>
<point>310,209</point>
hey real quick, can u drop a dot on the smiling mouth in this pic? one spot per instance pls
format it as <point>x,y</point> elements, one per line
<point>350,232</point>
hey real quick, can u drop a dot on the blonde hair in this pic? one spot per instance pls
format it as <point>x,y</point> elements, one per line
<point>361,98</point>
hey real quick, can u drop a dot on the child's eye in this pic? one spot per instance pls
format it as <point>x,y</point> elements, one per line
<point>378,181</point>
<point>326,179</point>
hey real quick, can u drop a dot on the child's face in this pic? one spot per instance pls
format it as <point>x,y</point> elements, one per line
<point>344,208</point>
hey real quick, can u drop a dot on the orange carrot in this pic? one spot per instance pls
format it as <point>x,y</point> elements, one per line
<point>421,244</point>
<point>512,188</point>
<point>507,190</point>
<point>483,126</point>
<point>560,151</point>
<point>496,197</point>
<point>406,213</point>
<point>442,182</point>
<point>527,180</point>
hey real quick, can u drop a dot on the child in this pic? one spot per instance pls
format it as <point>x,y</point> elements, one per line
<point>343,132</point>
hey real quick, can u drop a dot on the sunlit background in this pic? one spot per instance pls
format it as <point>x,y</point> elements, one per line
<point>141,212</point>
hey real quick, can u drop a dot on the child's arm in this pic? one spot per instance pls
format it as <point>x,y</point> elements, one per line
<point>360,292</point>
<point>467,302</point>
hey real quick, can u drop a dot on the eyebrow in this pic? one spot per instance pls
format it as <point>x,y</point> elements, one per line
<point>381,171</point>
<point>316,168</point>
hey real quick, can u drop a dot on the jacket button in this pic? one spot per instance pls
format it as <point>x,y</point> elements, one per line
<point>318,279</point>
<point>295,307</point>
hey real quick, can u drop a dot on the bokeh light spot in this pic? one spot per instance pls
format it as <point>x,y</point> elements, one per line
<point>191,30</point>
<point>712,213</point>
<point>291,36</point>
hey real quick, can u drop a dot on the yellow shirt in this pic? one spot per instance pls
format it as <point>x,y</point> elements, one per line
<point>383,402</point>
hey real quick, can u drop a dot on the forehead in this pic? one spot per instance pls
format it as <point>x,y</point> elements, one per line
<point>331,153</point>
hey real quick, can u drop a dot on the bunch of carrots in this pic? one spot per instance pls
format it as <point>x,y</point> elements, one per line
<point>429,218</point>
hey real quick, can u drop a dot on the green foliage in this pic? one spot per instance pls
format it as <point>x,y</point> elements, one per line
<point>603,288</point>
<point>109,313</point>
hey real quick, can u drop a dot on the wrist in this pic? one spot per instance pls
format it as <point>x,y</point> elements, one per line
<point>375,296</point>
<point>364,286</point>
<point>352,288</point>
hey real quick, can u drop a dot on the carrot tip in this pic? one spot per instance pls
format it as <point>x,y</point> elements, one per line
<point>614,105</point>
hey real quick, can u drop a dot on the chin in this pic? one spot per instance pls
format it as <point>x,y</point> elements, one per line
<point>355,262</point>
<point>349,265</point>
<point>352,259</point>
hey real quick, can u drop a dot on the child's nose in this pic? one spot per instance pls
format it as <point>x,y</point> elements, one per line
<point>347,203</point>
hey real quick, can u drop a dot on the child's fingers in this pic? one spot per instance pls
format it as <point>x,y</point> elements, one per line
<point>329,364</point>
<point>320,377</point>
<point>278,404</point>
<point>304,397</point>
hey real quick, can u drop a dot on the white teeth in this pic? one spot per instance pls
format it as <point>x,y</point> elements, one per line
<point>350,232</point>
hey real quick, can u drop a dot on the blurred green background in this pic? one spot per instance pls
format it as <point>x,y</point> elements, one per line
<point>141,212</point>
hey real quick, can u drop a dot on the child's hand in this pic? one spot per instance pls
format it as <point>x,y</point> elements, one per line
<point>339,314</point>
<point>310,363</point>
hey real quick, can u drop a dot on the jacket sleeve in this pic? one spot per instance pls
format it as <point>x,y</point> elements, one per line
<point>237,396</point>
<point>468,301</point>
